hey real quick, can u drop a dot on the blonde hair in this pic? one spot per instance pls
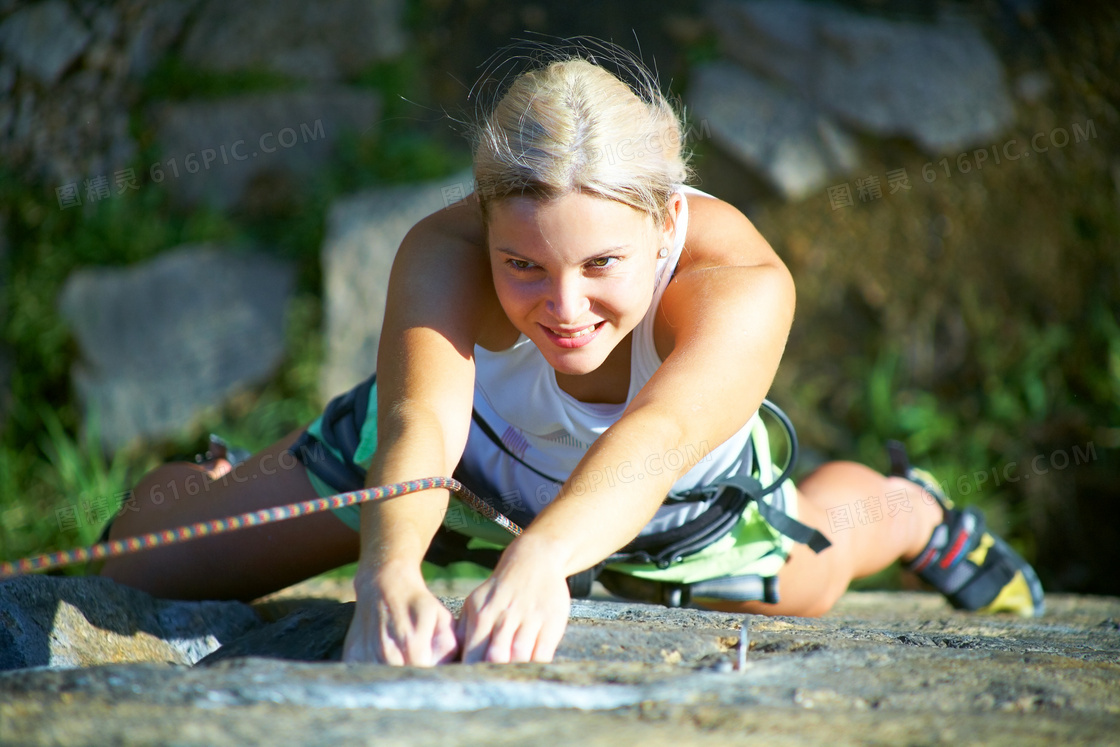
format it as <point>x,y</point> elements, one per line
<point>572,126</point>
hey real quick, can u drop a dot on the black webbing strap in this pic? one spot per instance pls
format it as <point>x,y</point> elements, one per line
<point>745,588</point>
<point>782,521</point>
<point>736,589</point>
<point>664,548</point>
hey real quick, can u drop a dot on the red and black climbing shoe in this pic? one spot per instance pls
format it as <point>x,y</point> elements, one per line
<point>974,568</point>
<point>901,467</point>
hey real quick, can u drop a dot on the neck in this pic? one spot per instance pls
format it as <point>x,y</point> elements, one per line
<point>607,384</point>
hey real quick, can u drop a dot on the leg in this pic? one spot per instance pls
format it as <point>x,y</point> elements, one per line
<point>810,583</point>
<point>243,564</point>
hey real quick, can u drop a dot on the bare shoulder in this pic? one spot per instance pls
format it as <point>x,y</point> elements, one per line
<point>727,271</point>
<point>720,235</point>
<point>442,270</point>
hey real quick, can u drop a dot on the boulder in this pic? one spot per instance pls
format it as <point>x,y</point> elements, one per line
<point>7,80</point>
<point>600,631</point>
<point>940,84</point>
<point>255,148</point>
<point>325,40</point>
<point>881,668</point>
<point>313,632</point>
<point>164,339</point>
<point>770,129</point>
<point>61,622</point>
<point>65,117</point>
<point>363,234</point>
<point>160,24</point>
<point>44,39</point>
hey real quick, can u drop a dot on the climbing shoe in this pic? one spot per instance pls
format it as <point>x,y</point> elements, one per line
<point>973,568</point>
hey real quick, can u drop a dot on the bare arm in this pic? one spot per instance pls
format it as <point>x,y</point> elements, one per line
<point>729,325</point>
<point>727,314</point>
<point>425,388</point>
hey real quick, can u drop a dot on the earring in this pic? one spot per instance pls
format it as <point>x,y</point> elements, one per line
<point>664,252</point>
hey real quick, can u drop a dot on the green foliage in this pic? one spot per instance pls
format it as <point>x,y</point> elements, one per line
<point>1029,274</point>
<point>454,571</point>
<point>51,468</point>
<point>982,348</point>
<point>90,483</point>
<point>172,78</point>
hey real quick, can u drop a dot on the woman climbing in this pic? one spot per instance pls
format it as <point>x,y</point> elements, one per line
<point>587,342</point>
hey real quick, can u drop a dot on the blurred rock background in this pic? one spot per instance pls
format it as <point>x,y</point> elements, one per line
<point>200,201</point>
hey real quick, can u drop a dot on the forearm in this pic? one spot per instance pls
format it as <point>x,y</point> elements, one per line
<point>614,492</point>
<point>398,530</point>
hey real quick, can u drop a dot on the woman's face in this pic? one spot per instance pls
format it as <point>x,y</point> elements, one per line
<point>575,274</point>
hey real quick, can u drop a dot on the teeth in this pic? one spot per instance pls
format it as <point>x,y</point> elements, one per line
<point>581,333</point>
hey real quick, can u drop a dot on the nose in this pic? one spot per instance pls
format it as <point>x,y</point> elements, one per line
<point>568,302</point>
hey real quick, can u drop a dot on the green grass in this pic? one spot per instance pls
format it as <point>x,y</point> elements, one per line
<point>172,78</point>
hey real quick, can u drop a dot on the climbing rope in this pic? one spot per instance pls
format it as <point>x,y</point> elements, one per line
<point>164,537</point>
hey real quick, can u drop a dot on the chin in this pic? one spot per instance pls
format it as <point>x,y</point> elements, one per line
<point>572,361</point>
<point>570,367</point>
<point>575,362</point>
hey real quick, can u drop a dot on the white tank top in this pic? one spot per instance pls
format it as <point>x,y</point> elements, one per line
<point>545,431</point>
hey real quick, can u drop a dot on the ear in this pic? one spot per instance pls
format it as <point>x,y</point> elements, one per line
<point>673,211</point>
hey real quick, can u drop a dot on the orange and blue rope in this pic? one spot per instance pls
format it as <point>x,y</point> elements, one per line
<point>115,548</point>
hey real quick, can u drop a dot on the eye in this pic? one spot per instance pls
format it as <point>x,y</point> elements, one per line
<point>601,263</point>
<point>519,264</point>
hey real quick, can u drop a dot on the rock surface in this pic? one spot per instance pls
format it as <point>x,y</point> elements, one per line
<point>157,27</point>
<point>62,622</point>
<point>364,232</point>
<point>44,39</point>
<point>166,338</point>
<point>258,148</point>
<point>770,130</point>
<point>940,84</point>
<point>316,41</point>
<point>881,668</point>
<point>64,115</point>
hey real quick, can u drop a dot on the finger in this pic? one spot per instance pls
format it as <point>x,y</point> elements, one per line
<point>361,642</point>
<point>548,639</point>
<point>462,622</point>
<point>475,647</point>
<point>500,650</point>
<point>476,638</point>
<point>390,651</point>
<point>525,641</point>
<point>419,639</point>
<point>474,626</point>
<point>445,644</point>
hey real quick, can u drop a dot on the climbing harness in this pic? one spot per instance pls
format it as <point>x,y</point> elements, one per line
<point>663,549</point>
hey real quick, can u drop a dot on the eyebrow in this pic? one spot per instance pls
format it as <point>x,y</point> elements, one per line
<point>608,252</point>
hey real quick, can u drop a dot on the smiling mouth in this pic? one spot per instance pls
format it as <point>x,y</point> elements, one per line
<point>579,333</point>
